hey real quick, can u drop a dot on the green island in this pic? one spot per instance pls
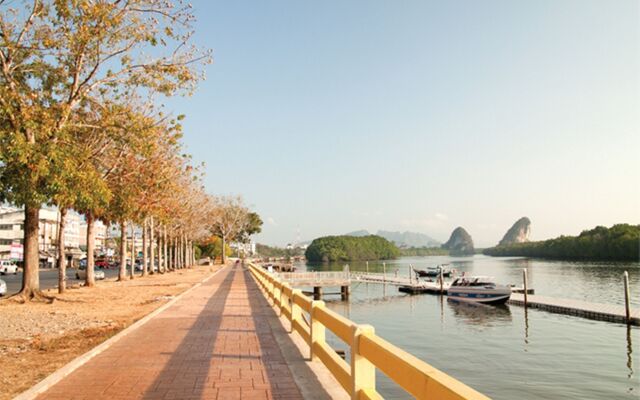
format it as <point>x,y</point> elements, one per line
<point>351,248</point>
<point>619,243</point>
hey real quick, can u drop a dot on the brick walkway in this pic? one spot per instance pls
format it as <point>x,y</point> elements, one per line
<point>214,343</point>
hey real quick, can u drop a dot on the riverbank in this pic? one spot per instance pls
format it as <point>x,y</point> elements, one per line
<point>37,338</point>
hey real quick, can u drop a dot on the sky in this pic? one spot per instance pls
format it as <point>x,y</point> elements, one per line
<point>334,116</point>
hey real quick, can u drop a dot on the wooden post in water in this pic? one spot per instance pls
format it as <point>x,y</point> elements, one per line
<point>384,272</point>
<point>627,306</point>
<point>367,267</point>
<point>441,281</point>
<point>410,274</point>
<point>524,280</point>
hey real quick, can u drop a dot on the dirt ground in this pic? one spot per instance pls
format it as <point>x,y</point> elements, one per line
<point>38,338</point>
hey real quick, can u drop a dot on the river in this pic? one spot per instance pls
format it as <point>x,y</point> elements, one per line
<point>505,352</point>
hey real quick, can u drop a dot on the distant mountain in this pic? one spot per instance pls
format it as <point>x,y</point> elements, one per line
<point>460,243</point>
<point>409,239</point>
<point>518,233</point>
<point>360,233</point>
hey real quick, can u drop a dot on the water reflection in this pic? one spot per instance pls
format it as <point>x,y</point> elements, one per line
<point>629,352</point>
<point>526,328</point>
<point>480,314</point>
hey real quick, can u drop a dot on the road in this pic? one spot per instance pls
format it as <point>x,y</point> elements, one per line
<point>48,279</point>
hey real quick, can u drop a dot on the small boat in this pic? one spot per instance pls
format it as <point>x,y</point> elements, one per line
<point>479,289</point>
<point>434,272</point>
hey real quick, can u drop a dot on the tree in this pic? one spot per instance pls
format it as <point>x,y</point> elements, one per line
<point>227,219</point>
<point>60,57</point>
<point>212,247</point>
<point>252,226</point>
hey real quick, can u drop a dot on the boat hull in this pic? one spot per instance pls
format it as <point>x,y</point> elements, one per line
<point>483,296</point>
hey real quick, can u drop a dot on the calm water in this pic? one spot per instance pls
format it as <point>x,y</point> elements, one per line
<point>502,351</point>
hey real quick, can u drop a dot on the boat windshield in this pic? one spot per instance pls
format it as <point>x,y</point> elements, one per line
<point>474,281</point>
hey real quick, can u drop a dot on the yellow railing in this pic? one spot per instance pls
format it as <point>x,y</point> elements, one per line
<point>368,351</point>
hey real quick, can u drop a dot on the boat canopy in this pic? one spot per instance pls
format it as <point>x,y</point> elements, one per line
<point>474,281</point>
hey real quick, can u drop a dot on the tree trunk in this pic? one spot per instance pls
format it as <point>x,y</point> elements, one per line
<point>172,263</point>
<point>122,273</point>
<point>62,260</point>
<point>187,264</point>
<point>186,252</point>
<point>133,250</point>
<point>90,279</point>
<point>224,253</point>
<point>193,253</point>
<point>30,276</point>
<point>182,258</point>
<point>144,248</point>
<point>175,253</point>
<point>152,242</point>
<point>161,260</point>
<point>164,247</point>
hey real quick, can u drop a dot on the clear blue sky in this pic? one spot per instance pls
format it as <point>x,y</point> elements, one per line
<point>333,116</point>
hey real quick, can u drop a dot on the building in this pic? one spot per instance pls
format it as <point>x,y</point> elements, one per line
<point>248,249</point>
<point>100,235</point>
<point>12,234</point>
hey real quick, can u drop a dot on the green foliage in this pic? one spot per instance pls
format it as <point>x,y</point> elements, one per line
<point>424,251</point>
<point>252,226</point>
<point>351,248</point>
<point>620,242</point>
<point>212,247</point>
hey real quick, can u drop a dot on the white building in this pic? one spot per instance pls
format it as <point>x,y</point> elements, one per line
<point>100,235</point>
<point>12,234</point>
<point>244,248</point>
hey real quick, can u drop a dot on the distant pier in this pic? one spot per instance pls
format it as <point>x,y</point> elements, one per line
<point>320,280</point>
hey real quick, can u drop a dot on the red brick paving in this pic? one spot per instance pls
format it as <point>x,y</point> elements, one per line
<point>214,343</point>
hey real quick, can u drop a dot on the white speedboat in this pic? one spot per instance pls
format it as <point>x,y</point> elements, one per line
<point>478,289</point>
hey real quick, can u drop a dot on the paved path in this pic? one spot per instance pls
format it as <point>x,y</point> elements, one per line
<point>216,342</point>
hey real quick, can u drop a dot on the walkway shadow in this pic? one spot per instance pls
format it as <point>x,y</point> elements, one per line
<point>186,372</point>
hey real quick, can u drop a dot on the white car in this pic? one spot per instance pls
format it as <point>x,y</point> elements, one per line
<point>8,267</point>
<point>3,288</point>
<point>81,273</point>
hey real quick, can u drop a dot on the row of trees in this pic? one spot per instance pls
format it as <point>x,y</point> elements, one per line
<point>351,248</point>
<point>620,242</point>
<point>81,127</point>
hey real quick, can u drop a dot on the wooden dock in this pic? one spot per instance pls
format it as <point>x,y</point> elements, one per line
<point>602,312</point>
<point>319,280</point>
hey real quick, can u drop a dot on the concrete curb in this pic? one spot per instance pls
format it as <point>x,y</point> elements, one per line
<point>79,361</point>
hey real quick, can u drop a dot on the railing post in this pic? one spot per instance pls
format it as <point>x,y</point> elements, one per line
<point>317,329</point>
<point>296,311</point>
<point>363,372</point>
<point>286,299</point>
<point>277,292</point>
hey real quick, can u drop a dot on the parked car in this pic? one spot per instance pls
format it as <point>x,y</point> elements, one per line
<point>3,288</point>
<point>81,273</point>
<point>138,266</point>
<point>8,267</point>
<point>101,264</point>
